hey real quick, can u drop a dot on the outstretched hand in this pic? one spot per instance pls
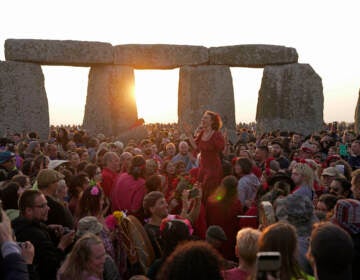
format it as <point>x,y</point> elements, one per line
<point>5,228</point>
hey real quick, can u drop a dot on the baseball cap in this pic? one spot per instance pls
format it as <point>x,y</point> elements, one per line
<point>331,171</point>
<point>5,156</point>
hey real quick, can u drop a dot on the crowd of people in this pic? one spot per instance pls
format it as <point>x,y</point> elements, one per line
<point>181,204</point>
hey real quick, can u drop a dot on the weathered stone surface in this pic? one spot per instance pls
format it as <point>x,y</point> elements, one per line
<point>204,88</point>
<point>56,52</point>
<point>290,99</point>
<point>23,101</point>
<point>160,56</point>
<point>252,55</point>
<point>357,116</point>
<point>110,103</point>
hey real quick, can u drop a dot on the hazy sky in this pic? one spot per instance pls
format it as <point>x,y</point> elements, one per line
<point>325,34</point>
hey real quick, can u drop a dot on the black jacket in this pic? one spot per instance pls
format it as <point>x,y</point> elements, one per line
<point>13,267</point>
<point>48,257</point>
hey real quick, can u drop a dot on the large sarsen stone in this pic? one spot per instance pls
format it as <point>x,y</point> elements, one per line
<point>110,103</point>
<point>290,99</point>
<point>56,52</point>
<point>23,100</point>
<point>252,55</point>
<point>159,56</point>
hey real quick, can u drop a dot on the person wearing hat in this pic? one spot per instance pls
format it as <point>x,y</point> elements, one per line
<point>331,253</point>
<point>299,212</point>
<point>347,216</point>
<point>7,166</point>
<point>328,175</point>
<point>90,224</point>
<point>216,236</point>
<point>47,182</point>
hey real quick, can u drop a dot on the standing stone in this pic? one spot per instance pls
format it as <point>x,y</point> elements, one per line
<point>290,99</point>
<point>252,55</point>
<point>110,103</point>
<point>204,88</point>
<point>23,100</point>
<point>357,116</point>
<point>159,56</point>
<point>57,52</point>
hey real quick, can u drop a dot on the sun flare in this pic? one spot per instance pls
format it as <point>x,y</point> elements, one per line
<point>156,94</point>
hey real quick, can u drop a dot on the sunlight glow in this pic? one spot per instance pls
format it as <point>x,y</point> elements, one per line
<point>66,89</point>
<point>156,94</point>
<point>246,84</point>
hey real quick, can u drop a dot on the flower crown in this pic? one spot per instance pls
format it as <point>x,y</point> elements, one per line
<point>115,219</point>
<point>167,222</point>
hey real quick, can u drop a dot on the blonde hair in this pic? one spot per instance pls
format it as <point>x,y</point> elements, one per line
<point>76,262</point>
<point>307,172</point>
<point>247,244</point>
<point>356,175</point>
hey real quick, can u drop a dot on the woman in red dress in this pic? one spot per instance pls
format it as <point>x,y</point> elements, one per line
<point>210,143</point>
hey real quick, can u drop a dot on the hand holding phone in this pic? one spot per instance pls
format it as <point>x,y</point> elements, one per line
<point>268,265</point>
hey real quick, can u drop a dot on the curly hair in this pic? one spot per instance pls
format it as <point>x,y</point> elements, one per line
<point>216,120</point>
<point>305,170</point>
<point>192,260</point>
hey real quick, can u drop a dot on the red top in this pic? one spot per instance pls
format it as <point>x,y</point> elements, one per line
<point>108,178</point>
<point>127,193</point>
<point>210,168</point>
<point>225,216</point>
<point>235,274</point>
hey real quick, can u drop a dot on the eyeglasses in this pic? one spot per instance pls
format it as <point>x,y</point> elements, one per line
<point>41,206</point>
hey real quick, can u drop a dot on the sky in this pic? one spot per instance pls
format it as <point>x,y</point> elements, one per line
<point>324,33</point>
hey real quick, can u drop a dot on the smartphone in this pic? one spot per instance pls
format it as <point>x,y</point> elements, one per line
<point>343,150</point>
<point>268,265</point>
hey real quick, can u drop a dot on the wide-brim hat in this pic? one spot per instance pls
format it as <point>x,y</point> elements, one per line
<point>53,164</point>
<point>280,176</point>
<point>88,224</point>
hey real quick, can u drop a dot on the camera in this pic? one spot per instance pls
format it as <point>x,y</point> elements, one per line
<point>268,263</point>
<point>21,244</point>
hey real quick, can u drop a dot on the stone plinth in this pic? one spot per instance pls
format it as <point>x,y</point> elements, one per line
<point>56,52</point>
<point>160,56</point>
<point>290,99</point>
<point>204,88</point>
<point>252,55</point>
<point>23,100</point>
<point>110,103</point>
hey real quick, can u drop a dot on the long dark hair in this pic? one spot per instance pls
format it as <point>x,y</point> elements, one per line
<point>281,237</point>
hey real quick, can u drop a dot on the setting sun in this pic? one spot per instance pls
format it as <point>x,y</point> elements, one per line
<point>156,94</point>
